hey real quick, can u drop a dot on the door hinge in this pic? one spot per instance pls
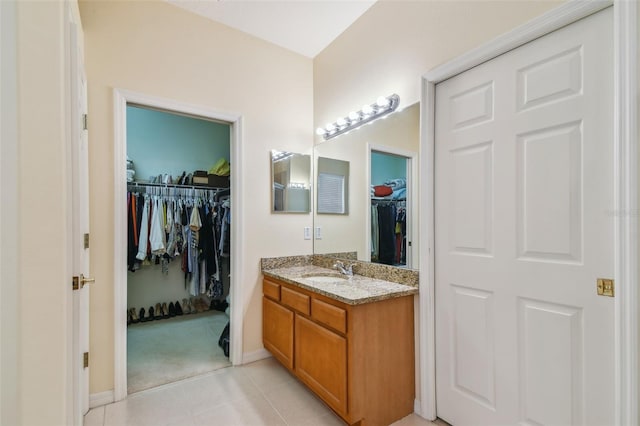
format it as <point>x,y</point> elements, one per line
<point>86,241</point>
<point>85,124</point>
<point>606,287</point>
<point>86,360</point>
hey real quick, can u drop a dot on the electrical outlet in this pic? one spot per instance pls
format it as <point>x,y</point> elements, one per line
<point>318,232</point>
<point>307,232</point>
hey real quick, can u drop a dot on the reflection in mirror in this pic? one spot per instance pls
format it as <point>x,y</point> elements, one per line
<point>333,186</point>
<point>398,136</point>
<point>290,182</point>
<point>390,179</point>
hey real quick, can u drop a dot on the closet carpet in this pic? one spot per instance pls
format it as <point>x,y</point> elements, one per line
<point>164,351</point>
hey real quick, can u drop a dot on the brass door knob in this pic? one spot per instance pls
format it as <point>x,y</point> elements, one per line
<point>79,282</point>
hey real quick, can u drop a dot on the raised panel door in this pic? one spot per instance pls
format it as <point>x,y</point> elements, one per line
<point>321,362</point>
<point>277,331</point>
<point>523,229</point>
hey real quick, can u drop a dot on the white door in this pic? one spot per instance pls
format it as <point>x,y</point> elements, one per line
<point>80,224</point>
<point>524,195</point>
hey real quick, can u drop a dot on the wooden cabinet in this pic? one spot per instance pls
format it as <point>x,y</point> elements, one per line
<point>359,359</point>
<point>277,331</point>
<point>321,362</point>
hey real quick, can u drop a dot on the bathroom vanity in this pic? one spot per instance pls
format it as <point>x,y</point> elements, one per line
<point>349,339</point>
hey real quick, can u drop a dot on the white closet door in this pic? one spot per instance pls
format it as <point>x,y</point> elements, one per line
<point>524,228</point>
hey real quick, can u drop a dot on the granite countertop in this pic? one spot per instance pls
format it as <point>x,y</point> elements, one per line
<point>354,290</point>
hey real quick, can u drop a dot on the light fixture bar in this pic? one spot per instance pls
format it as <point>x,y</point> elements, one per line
<point>368,113</point>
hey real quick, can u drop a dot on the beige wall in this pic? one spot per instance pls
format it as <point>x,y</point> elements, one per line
<point>42,247</point>
<point>395,42</point>
<point>158,49</point>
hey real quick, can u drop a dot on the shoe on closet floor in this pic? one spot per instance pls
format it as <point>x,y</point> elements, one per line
<point>134,316</point>
<point>157,312</point>
<point>165,311</point>
<point>218,305</point>
<point>178,308</point>
<point>172,310</point>
<point>150,314</point>
<point>197,304</point>
<point>141,315</point>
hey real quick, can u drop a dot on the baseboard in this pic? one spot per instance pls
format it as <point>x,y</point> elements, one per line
<point>101,398</point>
<point>416,407</point>
<point>418,411</point>
<point>254,356</point>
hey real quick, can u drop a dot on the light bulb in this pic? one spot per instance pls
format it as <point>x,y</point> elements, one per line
<point>320,131</point>
<point>330,127</point>
<point>383,102</point>
<point>367,109</point>
<point>341,122</point>
<point>354,116</point>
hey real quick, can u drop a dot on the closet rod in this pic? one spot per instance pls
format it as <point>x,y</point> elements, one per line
<point>173,185</point>
<point>388,200</point>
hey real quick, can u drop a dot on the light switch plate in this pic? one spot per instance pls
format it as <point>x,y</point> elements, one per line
<point>318,232</point>
<point>307,232</point>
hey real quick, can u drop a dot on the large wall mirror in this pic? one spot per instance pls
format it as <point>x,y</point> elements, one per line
<point>382,222</point>
<point>290,182</point>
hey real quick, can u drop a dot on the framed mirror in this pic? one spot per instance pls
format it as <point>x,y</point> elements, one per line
<point>290,182</point>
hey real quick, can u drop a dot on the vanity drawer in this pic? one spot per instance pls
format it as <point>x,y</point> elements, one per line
<point>271,289</point>
<point>329,315</point>
<point>295,300</point>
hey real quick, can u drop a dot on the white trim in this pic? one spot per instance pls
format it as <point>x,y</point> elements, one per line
<point>101,398</point>
<point>416,407</point>
<point>9,217</point>
<point>626,203</point>
<point>412,203</point>
<point>254,356</point>
<point>426,296</point>
<point>625,115</point>
<point>120,101</point>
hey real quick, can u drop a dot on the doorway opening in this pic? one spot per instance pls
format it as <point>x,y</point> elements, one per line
<point>178,258</point>
<point>176,267</point>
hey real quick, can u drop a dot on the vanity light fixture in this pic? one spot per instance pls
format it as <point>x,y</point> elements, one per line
<point>381,107</point>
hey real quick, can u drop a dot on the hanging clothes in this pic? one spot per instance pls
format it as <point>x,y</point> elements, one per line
<point>387,239</point>
<point>144,232</point>
<point>187,227</point>
<point>132,237</point>
<point>157,237</point>
<point>375,232</point>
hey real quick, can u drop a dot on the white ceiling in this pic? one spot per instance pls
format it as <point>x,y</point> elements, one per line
<point>303,26</point>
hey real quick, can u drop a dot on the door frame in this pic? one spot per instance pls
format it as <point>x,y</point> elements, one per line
<point>121,98</point>
<point>625,191</point>
<point>412,203</point>
<point>9,216</point>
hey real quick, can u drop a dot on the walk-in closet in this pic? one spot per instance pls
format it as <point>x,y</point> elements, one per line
<point>389,243</point>
<point>178,250</point>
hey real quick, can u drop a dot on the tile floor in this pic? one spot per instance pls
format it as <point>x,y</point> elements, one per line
<point>261,393</point>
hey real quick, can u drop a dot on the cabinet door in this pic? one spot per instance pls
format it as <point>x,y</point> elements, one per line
<point>321,362</point>
<point>277,331</point>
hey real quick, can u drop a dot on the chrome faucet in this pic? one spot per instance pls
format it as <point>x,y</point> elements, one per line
<point>347,270</point>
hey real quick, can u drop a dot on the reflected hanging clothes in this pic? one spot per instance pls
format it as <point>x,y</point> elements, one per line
<point>387,235</point>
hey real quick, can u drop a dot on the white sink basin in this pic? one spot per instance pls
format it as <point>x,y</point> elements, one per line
<point>325,278</point>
